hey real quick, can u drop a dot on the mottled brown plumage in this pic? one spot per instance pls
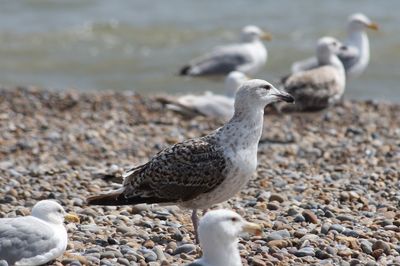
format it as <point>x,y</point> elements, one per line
<point>315,89</point>
<point>181,172</point>
<point>176,174</point>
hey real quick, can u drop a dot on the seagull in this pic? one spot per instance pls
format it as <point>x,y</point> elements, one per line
<point>355,52</point>
<point>200,172</point>
<point>218,232</point>
<point>320,87</point>
<point>210,104</point>
<point>36,239</point>
<point>248,56</point>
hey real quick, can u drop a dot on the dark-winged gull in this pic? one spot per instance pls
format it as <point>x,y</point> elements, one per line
<point>320,87</point>
<point>218,232</point>
<point>355,52</point>
<point>36,239</point>
<point>210,104</point>
<point>200,172</point>
<point>248,56</point>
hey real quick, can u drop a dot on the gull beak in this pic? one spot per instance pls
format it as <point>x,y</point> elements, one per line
<point>283,95</point>
<point>266,36</point>
<point>253,228</point>
<point>73,218</point>
<point>373,26</point>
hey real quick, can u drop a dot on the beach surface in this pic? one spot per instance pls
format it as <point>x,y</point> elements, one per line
<point>327,187</point>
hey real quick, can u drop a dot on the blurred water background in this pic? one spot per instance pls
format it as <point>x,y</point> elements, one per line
<point>141,44</point>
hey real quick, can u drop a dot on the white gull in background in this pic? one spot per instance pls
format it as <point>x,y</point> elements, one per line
<point>248,56</point>
<point>210,104</point>
<point>218,232</point>
<point>320,87</point>
<point>36,239</point>
<point>355,52</point>
<point>200,172</point>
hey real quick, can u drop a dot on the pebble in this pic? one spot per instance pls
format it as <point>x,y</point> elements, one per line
<point>337,227</point>
<point>381,245</point>
<point>278,235</point>
<point>258,262</point>
<point>306,251</point>
<point>310,217</point>
<point>279,243</point>
<point>185,248</point>
<point>273,206</point>
<point>277,198</point>
<point>299,218</point>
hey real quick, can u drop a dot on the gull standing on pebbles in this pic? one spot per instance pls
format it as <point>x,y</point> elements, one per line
<point>218,232</point>
<point>355,52</point>
<point>36,239</point>
<point>248,56</point>
<point>200,172</point>
<point>321,87</point>
<point>210,104</point>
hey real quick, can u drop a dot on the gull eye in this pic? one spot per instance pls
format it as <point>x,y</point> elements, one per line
<point>234,219</point>
<point>59,211</point>
<point>266,87</point>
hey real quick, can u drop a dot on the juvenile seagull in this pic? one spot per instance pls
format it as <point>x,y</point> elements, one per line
<point>200,172</point>
<point>321,87</point>
<point>218,232</point>
<point>355,52</point>
<point>36,239</point>
<point>248,56</point>
<point>210,104</point>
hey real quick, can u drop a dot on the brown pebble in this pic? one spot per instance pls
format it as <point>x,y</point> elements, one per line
<point>310,216</point>
<point>13,192</point>
<point>344,196</point>
<point>377,253</point>
<point>381,245</point>
<point>276,197</point>
<point>258,262</point>
<point>148,244</point>
<point>279,243</point>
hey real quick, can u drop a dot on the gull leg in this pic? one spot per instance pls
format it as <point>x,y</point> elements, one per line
<point>195,224</point>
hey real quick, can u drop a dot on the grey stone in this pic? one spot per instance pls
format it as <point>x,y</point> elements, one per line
<point>306,251</point>
<point>337,227</point>
<point>185,248</point>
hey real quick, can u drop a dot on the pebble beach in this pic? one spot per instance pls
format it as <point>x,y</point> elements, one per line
<point>326,191</point>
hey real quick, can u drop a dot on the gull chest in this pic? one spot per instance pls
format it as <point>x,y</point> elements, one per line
<point>241,165</point>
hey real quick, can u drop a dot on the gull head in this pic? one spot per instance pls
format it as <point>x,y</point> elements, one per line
<point>359,21</point>
<point>233,81</point>
<point>326,47</point>
<point>252,33</point>
<point>52,212</point>
<point>224,227</point>
<point>257,93</point>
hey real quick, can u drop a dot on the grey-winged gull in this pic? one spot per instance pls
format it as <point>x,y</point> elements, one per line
<point>200,172</point>
<point>218,232</point>
<point>320,87</point>
<point>210,104</point>
<point>248,56</point>
<point>36,239</point>
<point>355,52</point>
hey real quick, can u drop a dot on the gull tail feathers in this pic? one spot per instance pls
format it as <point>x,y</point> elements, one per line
<point>117,198</point>
<point>185,70</point>
<point>112,198</point>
